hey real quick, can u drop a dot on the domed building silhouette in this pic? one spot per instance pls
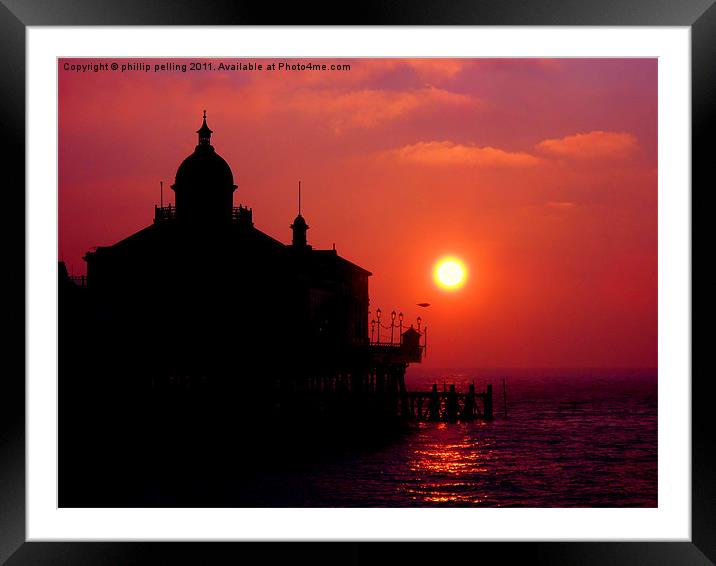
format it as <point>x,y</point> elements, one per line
<point>202,291</point>
<point>200,343</point>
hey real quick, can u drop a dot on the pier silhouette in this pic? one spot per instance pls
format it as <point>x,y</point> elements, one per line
<point>184,335</point>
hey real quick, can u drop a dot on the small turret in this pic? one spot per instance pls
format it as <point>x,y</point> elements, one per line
<point>299,226</point>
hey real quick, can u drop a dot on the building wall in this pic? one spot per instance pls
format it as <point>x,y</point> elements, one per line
<point>175,301</point>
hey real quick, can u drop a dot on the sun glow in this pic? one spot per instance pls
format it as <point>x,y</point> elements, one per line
<point>450,273</point>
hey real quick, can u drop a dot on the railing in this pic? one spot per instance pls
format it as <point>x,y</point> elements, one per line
<point>398,340</point>
<point>164,213</point>
<point>385,352</point>
<point>386,344</point>
<point>240,213</point>
<point>80,280</point>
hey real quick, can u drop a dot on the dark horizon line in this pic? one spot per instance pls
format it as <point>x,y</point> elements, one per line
<point>540,368</point>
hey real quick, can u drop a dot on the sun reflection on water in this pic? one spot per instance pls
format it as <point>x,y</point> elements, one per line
<point>448,470</point>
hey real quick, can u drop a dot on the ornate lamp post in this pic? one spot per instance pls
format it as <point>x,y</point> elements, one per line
<point>392,326</point>
<point>420,321</point>
<point>378,313</point>
<point>400,318</point>
<point>372,330</point>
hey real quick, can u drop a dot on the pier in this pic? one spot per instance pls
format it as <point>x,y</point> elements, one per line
<point>448,405</point>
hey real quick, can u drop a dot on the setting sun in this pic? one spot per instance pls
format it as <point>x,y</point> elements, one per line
<point>450,273</point>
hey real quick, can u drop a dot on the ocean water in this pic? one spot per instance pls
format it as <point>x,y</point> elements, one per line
<point>570,439</point>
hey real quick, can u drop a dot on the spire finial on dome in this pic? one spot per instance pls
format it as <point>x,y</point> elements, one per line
<point>204,132</point>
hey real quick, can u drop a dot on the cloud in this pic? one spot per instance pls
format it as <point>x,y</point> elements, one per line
<point>429,69</point>
<point>450,153</point>
<point>436,68</point>
<point>596,144</point>
<point>348,108</point>
<point>369,108</point>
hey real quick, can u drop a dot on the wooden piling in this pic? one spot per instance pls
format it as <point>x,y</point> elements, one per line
<point>434,404</point>
<point>469,411</point>
<point>504,395</point>
<point>488,413</point>
<point>451,406</point>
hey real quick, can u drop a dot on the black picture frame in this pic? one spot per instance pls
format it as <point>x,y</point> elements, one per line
<point>16,15</point>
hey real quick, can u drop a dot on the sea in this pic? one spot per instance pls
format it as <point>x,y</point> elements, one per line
<point>566,438</point>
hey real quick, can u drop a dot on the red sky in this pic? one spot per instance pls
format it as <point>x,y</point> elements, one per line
<point>541,175</point>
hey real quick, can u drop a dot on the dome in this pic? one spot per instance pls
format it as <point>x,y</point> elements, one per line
<point>204,167</point>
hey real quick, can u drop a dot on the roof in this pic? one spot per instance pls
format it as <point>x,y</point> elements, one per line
<point>154,232</point>
<point>332,255</point>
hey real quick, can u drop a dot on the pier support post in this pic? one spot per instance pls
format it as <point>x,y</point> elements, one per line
<point>451,406</point>
<point>403,394</point>
<point>469,409</point>
<point>488,404</point>
<point>434,404</point>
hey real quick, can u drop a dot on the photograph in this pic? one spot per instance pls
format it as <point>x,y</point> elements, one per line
<point>357,282</point>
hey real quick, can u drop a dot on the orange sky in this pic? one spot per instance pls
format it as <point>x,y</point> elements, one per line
<point>541,175</point>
